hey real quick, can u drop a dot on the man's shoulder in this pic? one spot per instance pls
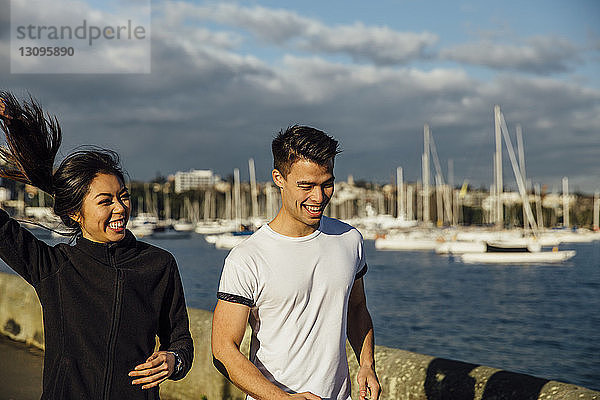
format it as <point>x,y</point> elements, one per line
<point>250,245</point>
<point>332,226</point>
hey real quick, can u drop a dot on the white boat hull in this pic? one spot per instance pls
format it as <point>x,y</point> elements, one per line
<point>542,257</point>
<point>141,231</point>
<point>214,228</point>
<point>228,241</point>
<point>574,237</point>
<point>184,226</point>
<point>460,247</point>
<point>407,244</point>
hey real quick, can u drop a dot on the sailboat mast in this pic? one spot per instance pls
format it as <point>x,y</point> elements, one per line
<point>438,199</point>
<point>167,200</point>
<point>596,211</point>
<point>565,199</point>
<point>237,196</point>
<point>498,160</point>
<point>425,161</point>
<point>538,204</point>
<point>450,192</point>
<point>400,194</point>
<point>521,151</point>
<point>207,196</point>
<point>253,191</point>
<point>409,202</point>
<point>517,173</point>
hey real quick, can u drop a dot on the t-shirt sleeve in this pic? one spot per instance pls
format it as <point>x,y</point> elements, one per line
<point>361,266</point>
<point>238,283</point>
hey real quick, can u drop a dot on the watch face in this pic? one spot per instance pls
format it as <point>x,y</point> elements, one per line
<point>178,362</point>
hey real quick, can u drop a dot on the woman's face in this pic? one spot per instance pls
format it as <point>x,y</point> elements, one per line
<point>105,210</point>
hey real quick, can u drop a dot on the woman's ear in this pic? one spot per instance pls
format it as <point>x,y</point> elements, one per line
<point>76,217</point>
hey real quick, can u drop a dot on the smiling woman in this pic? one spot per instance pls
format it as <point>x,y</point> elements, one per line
<point>108,296</point>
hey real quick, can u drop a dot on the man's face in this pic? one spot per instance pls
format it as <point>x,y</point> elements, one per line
<point>305,192</point>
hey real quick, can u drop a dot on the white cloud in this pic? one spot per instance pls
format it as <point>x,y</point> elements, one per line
<point>378,44</point>
<point>538,54</point>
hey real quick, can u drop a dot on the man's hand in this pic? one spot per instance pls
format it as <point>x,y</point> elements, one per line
<point>157,368</point>
<point>305,396</point>
<point>368,384</point>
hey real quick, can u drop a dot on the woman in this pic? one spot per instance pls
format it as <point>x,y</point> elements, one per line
<point>106,297</point>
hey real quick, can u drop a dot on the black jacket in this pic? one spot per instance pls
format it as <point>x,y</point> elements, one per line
<point>103,306</point>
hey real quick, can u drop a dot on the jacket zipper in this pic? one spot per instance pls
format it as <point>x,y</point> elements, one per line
<point>113,328</point>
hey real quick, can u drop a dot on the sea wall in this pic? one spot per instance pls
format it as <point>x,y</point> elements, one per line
<point>404,375</point>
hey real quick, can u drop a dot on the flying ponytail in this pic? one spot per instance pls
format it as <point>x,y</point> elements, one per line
<point>33,139</point>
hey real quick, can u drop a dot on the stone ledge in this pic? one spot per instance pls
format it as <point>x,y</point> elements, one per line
<point>404,375</point>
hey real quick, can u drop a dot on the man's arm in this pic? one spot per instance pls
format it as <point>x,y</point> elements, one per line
<point>229,325</point>
<point>361,338</point>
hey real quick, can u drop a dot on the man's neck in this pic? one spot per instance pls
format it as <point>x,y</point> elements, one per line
<point>288,226</point>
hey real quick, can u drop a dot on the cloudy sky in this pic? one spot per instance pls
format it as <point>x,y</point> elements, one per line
<point>226,76</point>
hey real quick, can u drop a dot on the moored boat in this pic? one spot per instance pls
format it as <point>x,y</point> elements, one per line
<point>169,232</point>
<point>501,253</point>
<point>228,241</point>
<point>420,241</point>
<point>542,257</point>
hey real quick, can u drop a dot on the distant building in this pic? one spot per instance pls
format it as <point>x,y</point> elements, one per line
<point>194,179</point>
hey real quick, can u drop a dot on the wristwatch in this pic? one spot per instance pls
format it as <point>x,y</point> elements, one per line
<point>178,362</point>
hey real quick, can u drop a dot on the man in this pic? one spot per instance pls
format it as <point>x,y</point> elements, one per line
<point>299,281</point>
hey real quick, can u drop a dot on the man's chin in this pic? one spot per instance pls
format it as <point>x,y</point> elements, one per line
<point>314,222</point>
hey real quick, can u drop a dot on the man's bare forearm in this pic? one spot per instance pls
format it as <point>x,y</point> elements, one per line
<point>229,325</point>
<point>360,326</point>
<point>243,374</point>
<point>361,336</point>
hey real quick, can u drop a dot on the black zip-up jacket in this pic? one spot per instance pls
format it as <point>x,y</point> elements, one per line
<point>103,306</point>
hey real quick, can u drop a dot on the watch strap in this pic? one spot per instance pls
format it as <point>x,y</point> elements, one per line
<point>178,363</point>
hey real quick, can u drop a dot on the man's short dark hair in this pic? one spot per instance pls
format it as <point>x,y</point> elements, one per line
<point>298,142</point>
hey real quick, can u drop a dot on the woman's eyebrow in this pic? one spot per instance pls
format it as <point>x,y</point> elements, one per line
<point>103,194</point>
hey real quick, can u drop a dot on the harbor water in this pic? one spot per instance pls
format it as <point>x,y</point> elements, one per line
<point>542,320</point>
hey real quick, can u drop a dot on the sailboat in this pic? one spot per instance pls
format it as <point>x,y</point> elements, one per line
<point>229,240</point>
<point>423,240</point>
<point>510,255</point>
<point>522,250</point>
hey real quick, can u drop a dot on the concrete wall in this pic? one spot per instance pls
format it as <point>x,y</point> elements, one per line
<point>404,375</point>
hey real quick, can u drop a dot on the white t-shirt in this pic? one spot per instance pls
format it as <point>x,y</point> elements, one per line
<point>298,290</point>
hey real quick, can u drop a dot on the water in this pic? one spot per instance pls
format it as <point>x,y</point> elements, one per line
<point>539,320</point>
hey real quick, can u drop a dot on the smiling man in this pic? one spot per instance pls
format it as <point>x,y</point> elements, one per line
<point>299,282</point>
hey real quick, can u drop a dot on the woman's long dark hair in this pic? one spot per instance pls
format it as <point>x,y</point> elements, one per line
<point>33,139</point>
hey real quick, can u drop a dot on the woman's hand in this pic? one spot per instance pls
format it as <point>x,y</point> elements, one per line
<point>3,112</point>
<point>158,367</point>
